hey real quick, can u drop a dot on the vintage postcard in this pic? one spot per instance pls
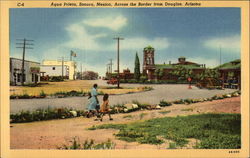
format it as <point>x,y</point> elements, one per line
<point>124,78</point>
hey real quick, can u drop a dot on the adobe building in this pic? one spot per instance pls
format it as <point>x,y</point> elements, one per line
<point>149,66</point>
<point>231,71</point>
<point>69,65</point>
<point>126,75</point>
<point>31,71</point>
<point>54,70</point>
<point>148,62</point>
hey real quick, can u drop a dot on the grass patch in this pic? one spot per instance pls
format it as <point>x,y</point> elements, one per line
<point>88,145</point>
<point>164,112</point>
<point>172,146</point>
<point>215,131</point>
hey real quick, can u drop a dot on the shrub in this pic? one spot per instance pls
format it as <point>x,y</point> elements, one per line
<point>44,114</point>
<point>42,94</point>
<point>165,103</point>
<point>56,79</point>
<point>181,101</point>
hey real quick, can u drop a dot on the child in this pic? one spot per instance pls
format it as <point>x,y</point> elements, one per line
<point>105,107</point>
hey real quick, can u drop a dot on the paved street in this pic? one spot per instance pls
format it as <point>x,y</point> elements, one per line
<point>162,91</point>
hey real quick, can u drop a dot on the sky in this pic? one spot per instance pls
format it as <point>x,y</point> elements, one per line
<point>196,33</point>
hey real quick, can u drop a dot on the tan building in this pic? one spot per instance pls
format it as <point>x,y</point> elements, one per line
<point>70,64</point>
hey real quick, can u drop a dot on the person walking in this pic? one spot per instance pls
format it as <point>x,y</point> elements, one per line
<point>105,107</point>
<point>94,102</point>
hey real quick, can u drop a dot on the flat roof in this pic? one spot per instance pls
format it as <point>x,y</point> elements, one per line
<point>235,64</point>
<point>25,60</point>
<point>173,66</point>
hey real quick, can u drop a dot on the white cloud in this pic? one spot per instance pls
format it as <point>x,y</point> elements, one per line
<point>230,43</point>
<point>81,39</point>
<point>112,22</point>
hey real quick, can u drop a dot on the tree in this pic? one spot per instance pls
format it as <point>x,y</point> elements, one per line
<point>137,67</point>
<point>161,73</point>
<point>182,73</point>
<point>90,75</point>
<point>157,71</point>
<point>209,73</point>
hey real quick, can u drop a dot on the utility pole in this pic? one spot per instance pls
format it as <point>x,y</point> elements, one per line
<point>107,68</point>
<point>220,55</point>
<point>81,72</point>
<point>62,65</point>
<point>111,66</point>
<point>118,60</point>
<point>24,47</point>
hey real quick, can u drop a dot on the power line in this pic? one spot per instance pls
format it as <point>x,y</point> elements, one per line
<point>24,44</point>
<point>118,58</point>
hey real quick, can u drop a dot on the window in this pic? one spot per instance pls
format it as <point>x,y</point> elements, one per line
<point>53,68</point>
<point>33,77</point>
<point>19,78</point>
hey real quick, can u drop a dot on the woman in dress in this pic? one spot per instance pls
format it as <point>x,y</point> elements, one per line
<point>94,102</point>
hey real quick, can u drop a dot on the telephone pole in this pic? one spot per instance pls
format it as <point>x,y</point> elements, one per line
<point>24,47</point>
<point>118,60</point>
<point>107,68</point>
<point>220,55</point>
<point>62,64</point>
<point>111,66</point>
<point>81,72</point>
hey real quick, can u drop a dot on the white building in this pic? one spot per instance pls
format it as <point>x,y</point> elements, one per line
<point>55,70</point>
<point>71,66</point>
<point>31,71</point>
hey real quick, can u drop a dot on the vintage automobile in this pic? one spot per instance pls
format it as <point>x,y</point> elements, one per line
<point>112,81</point>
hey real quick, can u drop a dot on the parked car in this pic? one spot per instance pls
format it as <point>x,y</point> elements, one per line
<point>112,81</point>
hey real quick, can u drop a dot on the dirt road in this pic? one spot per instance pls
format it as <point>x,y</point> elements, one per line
<point>167,92</point>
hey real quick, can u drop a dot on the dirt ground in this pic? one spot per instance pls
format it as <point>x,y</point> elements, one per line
<point>55,133</point>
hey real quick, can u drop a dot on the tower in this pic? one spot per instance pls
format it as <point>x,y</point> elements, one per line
<point>148,62</point>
